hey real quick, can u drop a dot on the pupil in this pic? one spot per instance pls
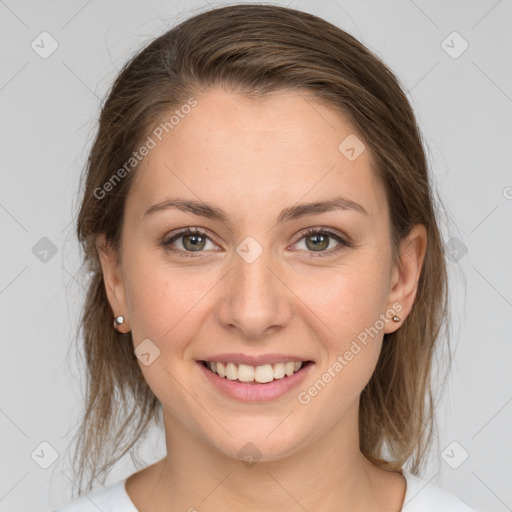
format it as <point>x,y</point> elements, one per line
<point>319,242</point>
<point>195,241</point>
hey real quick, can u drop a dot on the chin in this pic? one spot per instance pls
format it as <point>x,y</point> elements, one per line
<point>261,442</point>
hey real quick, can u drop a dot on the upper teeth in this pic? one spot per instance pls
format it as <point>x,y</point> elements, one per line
<point>248,373</point>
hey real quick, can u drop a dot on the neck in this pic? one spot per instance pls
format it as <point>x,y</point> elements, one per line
<point>327,473</point>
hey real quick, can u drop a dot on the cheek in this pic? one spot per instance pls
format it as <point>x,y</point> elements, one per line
<point>164,299</point>
<point>165,305</point>
<point>345,303</point>
<point>349,304</point>
<point>347,298</point>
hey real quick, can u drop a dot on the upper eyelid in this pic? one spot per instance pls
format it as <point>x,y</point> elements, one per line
<point>191,230</point>
<point>303,233</point>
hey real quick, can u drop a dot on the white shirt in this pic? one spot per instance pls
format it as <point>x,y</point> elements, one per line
<point>420,496</point>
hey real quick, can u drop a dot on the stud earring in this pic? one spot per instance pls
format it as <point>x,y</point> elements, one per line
<point>396,319</point>
<point>118,321</point>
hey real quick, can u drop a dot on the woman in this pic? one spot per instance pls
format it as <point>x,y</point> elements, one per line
<point>267,275</point>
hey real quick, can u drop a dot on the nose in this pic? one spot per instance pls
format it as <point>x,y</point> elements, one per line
<point>255,300</point>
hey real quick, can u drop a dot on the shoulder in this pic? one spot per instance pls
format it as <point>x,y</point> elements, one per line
<point>111,498</point>
<point>422,496</point>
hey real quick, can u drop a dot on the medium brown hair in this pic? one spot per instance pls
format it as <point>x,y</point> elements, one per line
<point>254,50</point>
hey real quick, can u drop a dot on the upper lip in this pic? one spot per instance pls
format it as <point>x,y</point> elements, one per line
<point>255,360</point>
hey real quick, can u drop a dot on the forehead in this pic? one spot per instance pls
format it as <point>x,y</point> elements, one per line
<point>261,153</point>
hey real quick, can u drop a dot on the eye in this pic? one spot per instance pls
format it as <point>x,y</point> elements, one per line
<point>195,240</point>
<point>318,240</point>
<point>192,240</point>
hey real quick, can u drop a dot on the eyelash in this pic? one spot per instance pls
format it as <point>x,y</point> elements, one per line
<point>310,231</point>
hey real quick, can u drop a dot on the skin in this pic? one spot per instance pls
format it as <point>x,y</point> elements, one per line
<point>252,159</point>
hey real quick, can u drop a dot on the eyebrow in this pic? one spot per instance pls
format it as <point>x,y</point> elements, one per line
<point>291,213</point>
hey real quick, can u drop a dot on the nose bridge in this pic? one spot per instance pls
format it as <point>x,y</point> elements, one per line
<point>254,299</point>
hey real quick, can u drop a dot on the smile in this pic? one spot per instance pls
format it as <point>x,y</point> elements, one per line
<point>260,374</point>
<point>249,383</point>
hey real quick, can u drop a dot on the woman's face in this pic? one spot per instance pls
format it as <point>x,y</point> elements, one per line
<point>254,283</point>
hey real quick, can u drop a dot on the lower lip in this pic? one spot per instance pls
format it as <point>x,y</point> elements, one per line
<point>247,392</point>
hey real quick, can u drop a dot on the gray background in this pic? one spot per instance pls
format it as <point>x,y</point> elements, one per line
<point>49,107</point>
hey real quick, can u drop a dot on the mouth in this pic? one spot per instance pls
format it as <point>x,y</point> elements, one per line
<point>262,374</point>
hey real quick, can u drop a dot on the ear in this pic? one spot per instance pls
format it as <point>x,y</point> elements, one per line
<point>113,279</point>
<point>406,274</point>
